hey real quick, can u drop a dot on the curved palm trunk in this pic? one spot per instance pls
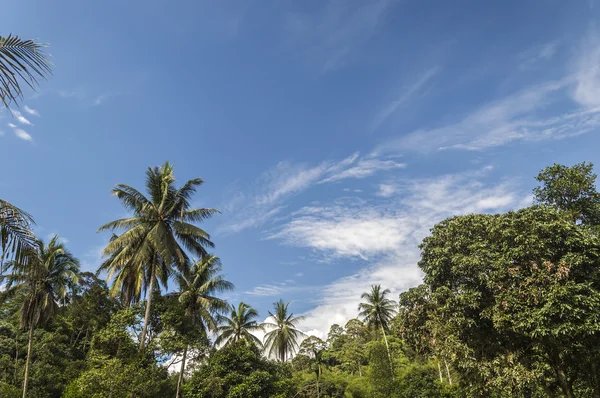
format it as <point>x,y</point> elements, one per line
<point>318,376</point>
<point>387,347</point>
<point>27,362</point>
<point>147,314</point>
<point>180,381</point>
<point>448,372</point>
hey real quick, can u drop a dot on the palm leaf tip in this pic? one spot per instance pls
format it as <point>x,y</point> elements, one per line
<point>21,60</point>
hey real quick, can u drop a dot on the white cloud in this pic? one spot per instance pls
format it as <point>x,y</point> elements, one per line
<point>12,125</point>
<point>386,232</point>
<point>531,58</point>
<point>286,180</point>
<point>587,73</point>
<point>408,93</point>
<point>22,134</point>
<point>332,34</point>
<point>365,167</point>
<point>31,111</point>
<point>387,190</point>
<point>99,100</point>
<point>22,119</point>
<point>265,290</point>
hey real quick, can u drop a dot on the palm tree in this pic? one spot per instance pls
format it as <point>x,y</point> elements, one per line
<point>151,245</point>
<point>197,295</point>
<point>15,233</point>
<point>377,312</point>
<point>239,325</point>
<point>51,270</point>
<point>284,337</point>
<point>20,60</point>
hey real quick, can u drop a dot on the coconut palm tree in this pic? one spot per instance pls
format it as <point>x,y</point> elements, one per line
<point>44,280</point>
<point>160,228</point>
<point>15,233</point>
<point>197,292</point>
<point>377,312</point>
<point>284,337</point>
<point>239,325</point>
<point>20,60</point>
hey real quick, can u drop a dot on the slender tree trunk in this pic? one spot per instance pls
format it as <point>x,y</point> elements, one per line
<point>448,372</point>
<point>387,347</point>
<point>565,385</point>
<point>318,374</point>
<point>439,370</point>
<point>147,315</point>
<point>180,381</point>
<point>27,362</point>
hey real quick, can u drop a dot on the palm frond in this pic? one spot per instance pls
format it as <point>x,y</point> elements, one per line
<point>20,60</point>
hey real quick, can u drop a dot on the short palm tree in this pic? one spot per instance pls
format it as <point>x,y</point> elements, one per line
<point>15,233</point>
<point>239,325</point>
<point>20,60</point>
<point>160,228</point>
<point>44,280</point>
<point>284,337</point>
<point>197,294</point>
<point>377,312</point>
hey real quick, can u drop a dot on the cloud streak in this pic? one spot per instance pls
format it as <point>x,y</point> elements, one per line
<point>286,180</point>
<point>408,93</point>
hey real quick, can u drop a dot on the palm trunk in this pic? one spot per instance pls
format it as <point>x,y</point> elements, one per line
<point>439,370</point>
<point>27,362</point>
<point>318,374</point>
<point>147,315</point>
<point>180,381</point>
<point>448,372</point>
<point>387,347</point>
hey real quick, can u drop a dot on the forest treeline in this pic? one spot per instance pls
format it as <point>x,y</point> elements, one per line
<point>509,307</point>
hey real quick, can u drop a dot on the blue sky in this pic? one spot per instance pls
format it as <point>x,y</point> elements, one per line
<point>332,134</point>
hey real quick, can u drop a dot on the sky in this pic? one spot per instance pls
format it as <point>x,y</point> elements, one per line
<point>331,134</point>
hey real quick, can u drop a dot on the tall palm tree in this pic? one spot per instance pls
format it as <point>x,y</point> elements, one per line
<point>284,337</point>
<point>15,233</point>
<point>151,244</point>
<point>198,291</point>
<point>20,60</point>
<point>377,312</point>
<point>239,325</point>
<point>51,270</point>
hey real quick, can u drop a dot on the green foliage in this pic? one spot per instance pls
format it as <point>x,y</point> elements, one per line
<point>284,336</point>
<point>571,190</point>
<point>238,370</point>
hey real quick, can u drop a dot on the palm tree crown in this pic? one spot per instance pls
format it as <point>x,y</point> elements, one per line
<point>46,277</point>
<point>155,236</point>
<point>239,325</point>
<point>284,337</point>
<point>198,289</point>
<point>377,311</point>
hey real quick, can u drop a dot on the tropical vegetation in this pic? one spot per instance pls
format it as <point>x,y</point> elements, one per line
<point>509,305</point>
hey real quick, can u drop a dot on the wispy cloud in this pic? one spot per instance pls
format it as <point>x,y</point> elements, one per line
<point>365,167</point>
<point>20,118</point>
<point>384,236</point>
<point>76,94</point>
<point>387,190</point>
<point>287,179</point>
<point>407,93</point>
<point>330,35</point>
<point>524,115</point>
<point>587,72</point>
<point>538,54</point>
<point>31,111</point>
<point>22,134</point>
